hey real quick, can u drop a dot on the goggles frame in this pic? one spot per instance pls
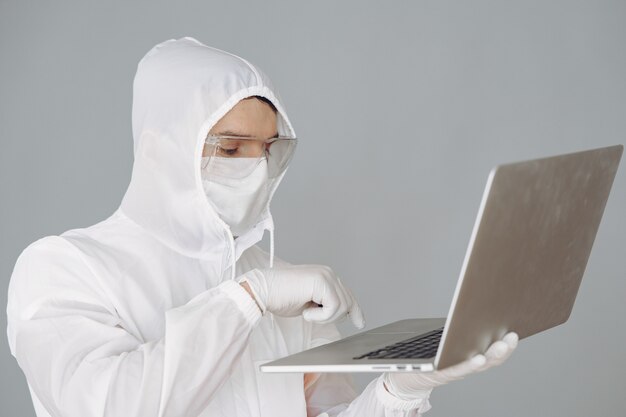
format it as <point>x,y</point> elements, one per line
<point>276,163</point>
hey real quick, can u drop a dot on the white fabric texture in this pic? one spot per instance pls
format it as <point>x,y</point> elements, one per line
<point>139,315</point>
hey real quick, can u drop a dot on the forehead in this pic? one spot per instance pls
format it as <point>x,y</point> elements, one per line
<point>249,117</point>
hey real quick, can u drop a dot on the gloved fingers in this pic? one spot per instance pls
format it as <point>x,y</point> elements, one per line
<point>350,306</point>
<point>311,305</point>
<point>345,301</point>
<point>429,380</point>
<point>476,362</point>
<point>356,315</point>
<point>355,312</point>
<point>324,314</point>
<point>498,352</point>
<point>460,370</point>
<point>511,339</point>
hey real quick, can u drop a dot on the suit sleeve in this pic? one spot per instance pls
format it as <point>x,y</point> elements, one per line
<point>81,361</point>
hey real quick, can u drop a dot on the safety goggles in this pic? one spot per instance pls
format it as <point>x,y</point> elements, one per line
<point>248,153</point>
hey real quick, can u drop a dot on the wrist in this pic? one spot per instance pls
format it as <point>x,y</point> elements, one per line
<point>399,385</point>
<point>391,400</point>
<point>246,287</point>
<point>242,299</point>
<point>256,287</point>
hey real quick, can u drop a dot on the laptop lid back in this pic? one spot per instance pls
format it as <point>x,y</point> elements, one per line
<point>529,249</point>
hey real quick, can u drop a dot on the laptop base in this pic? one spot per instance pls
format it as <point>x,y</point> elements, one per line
<point>338,356</point>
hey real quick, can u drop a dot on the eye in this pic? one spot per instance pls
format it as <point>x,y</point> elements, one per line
<point>228,151</point>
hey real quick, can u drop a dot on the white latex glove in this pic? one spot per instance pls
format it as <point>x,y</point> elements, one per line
<point>311,290</point>
<point>412,386</point>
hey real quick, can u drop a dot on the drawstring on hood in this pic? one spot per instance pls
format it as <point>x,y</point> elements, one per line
<point>232,255</point>
<point>232,249</point>
<point>181,89</point>
<point>272,247</point>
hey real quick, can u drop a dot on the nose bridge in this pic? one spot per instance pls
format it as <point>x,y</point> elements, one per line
<point>256,147</point>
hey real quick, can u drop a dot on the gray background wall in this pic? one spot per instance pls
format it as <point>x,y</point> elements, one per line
<point>402,108</point>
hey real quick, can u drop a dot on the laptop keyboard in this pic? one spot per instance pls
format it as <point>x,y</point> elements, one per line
<point>420,347</point>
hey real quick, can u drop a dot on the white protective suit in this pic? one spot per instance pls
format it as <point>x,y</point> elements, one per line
<point>139,314</point>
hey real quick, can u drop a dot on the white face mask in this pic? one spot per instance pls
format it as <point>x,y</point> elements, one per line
<point>239,202</point>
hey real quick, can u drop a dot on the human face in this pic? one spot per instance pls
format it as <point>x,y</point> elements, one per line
<point>244,138</point>
<point>250,118</point>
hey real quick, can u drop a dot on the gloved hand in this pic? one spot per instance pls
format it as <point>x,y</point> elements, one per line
<point>311,290</point>
<point>413,386</point>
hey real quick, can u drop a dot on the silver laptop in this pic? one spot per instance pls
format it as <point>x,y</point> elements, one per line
<point>526,257</point>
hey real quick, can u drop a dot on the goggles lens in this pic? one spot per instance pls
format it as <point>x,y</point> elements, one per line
<point>247,152</point>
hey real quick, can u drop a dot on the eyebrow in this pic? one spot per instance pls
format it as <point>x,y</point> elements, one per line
<point>239,135</point>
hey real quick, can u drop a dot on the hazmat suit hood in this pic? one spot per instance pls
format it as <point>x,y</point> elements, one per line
<point>181,89</point>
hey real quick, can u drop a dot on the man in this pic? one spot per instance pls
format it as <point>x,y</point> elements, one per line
<point>167,307</point>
